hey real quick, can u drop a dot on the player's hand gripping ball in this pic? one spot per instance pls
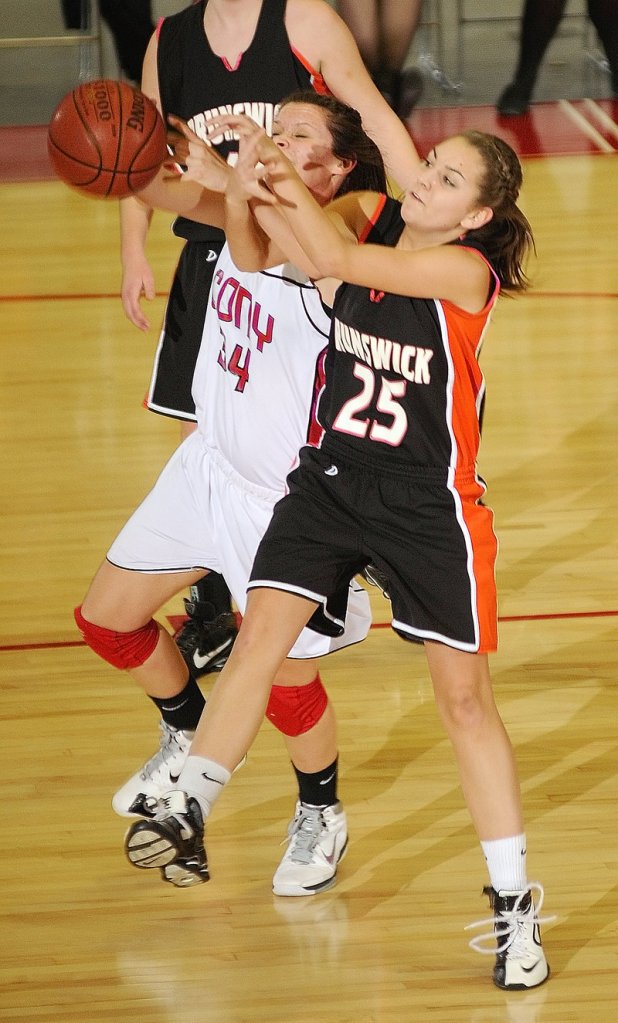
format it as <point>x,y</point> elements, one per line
<point>107,139</point>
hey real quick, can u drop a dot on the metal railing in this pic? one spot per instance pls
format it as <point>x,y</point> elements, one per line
<point>87,38</point>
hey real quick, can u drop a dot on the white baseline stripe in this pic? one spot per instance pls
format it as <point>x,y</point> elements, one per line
<point>602,116</point>
<point>585,127</point>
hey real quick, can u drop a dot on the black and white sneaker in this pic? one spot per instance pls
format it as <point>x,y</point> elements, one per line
<point>515,939</point>
<point>171,840</point>
<point>205,642</point>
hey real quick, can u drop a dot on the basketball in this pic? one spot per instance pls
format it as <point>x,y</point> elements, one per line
<point>107,139</point>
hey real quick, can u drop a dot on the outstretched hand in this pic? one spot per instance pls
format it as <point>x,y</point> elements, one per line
<point>203,163</point>
<point>259,158</point>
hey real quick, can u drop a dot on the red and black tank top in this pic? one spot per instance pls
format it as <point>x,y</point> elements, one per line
<point>195,83</point>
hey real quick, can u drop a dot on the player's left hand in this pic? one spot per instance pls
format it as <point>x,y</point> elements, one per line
<point>200,161</point>
<point>258,156</point>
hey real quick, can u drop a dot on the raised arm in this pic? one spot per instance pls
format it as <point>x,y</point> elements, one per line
<point>321,35</point>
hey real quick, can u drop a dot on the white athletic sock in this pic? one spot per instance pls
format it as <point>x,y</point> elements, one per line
<point>203,779</point>
<point>506,863</point>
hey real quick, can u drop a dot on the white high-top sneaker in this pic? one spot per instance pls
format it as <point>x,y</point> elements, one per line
<point>158,775</point>
<point>317,841</point>
<point>520,959</point>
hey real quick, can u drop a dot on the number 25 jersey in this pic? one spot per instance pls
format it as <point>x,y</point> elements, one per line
<point>403,384</point>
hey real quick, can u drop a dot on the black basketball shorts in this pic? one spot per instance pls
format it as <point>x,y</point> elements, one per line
<point>169,393</point>
<point>433,541</point>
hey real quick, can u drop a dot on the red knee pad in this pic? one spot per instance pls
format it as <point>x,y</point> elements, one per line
<point>121,649</point>
<point>296,709</point>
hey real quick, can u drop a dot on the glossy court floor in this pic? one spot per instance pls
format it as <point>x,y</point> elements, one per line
<point>86,937</point>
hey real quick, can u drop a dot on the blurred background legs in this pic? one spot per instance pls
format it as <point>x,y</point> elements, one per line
<point>539,24</point>
<point>130,23</point>
<point>384,31</point>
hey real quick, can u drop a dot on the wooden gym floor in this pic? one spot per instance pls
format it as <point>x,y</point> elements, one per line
<point>87,938</point>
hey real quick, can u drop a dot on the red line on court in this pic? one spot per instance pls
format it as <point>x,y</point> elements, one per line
<point>570,294</point>
<point>550,617</point>
<point>42,646</point>
<point>87,296</point>
<point>559,616</point>
<point>64,298</point>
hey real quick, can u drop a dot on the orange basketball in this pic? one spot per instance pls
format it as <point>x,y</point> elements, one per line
<point>106,138</point>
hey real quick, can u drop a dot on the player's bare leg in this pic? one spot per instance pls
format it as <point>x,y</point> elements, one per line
<point>490,784</point>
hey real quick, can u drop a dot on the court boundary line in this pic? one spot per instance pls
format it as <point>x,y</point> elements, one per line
<point>550,616</point>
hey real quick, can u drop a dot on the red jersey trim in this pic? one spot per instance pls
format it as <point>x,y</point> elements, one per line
<point>494,295</point>
<point>316,430</point>
<point>372,219</point>
<point>317,81</point>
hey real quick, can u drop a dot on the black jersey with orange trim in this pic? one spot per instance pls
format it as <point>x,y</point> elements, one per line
<point>403,384</point>
<point>195,83</point>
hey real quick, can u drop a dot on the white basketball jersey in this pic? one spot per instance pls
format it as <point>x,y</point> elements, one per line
<point>260,367</point>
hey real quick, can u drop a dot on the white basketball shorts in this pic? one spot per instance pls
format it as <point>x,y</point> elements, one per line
<point>202,514</point>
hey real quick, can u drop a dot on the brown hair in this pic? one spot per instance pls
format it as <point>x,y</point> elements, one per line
<point>349,142</point>
<point>507,237</point>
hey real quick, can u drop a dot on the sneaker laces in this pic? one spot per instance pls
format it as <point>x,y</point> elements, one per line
<point>174,805</point>
<point>304,833</point>
<point>168,738</point>
<point>510,924</point>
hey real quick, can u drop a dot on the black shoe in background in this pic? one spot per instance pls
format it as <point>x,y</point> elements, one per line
<point>206,642</point>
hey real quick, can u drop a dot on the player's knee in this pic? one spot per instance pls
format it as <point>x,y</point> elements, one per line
<point>295,710</point>
<point>121,649</point>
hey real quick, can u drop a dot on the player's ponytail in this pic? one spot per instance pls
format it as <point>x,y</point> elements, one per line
<point>507,237</point>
